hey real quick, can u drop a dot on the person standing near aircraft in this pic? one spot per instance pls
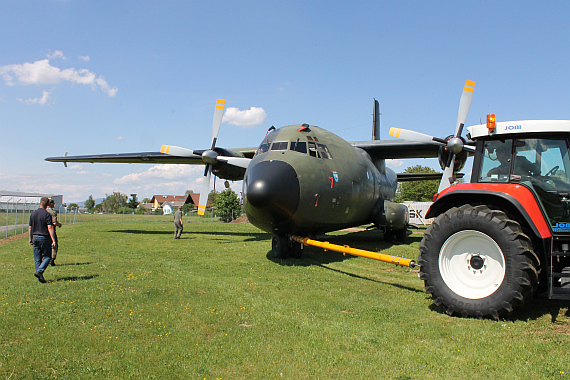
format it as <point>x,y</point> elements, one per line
<point>56,224</point>
<point>178,224</point>
<point>42,238</point>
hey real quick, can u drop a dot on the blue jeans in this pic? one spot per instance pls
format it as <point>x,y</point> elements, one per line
<point>42,252</point>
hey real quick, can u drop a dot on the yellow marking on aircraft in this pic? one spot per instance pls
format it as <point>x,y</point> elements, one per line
<point>469,86</point>
<point>395,132</point>
<point>220,104</point>
<point>165,149</point>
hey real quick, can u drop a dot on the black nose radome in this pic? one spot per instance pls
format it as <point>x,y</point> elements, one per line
<point>271,191</point>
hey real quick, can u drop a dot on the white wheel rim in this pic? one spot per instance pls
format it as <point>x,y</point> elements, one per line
<point>472,264</point>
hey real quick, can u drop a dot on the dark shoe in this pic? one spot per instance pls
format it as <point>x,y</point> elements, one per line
<point>40,277</point>
<point>53,263</point>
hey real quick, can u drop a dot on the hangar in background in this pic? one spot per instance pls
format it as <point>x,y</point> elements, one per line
<point>16,200</point>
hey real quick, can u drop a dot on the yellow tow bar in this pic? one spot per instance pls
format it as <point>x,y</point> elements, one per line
<point>357,252</point>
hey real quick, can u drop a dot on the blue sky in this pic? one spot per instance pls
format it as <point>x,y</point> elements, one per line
<point>89,77</point>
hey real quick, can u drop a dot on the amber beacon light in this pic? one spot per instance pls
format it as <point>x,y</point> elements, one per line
<point>491,125</point>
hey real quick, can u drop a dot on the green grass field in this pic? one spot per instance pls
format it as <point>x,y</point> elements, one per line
<point>127,301</point>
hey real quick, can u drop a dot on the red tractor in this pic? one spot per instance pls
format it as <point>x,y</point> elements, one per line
<point>505,236</point>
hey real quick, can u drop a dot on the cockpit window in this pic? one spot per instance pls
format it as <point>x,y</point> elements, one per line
<point>313,150</point>
<point>324,151</point>
<point>279,145</point>
<point>299,146</point>
<point>262,149</point>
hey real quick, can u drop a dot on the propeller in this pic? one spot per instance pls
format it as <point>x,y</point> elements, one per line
<point>210,156</point>
<point>454,144</point>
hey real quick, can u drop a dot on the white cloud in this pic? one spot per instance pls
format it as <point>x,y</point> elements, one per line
<point>162,172</point>
<point>56,54</point>
<point>41,101</point>
<point>42,72</point>
<point>85,58</point>
<point>248,118</point>
<point>393,164</point>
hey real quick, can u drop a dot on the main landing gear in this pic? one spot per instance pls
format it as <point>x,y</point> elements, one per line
<point>284,246</point>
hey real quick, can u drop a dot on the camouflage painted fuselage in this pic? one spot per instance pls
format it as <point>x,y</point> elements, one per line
<point>306,180</point>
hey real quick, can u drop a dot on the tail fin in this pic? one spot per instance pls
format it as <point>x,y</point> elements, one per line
<point>376,121</point>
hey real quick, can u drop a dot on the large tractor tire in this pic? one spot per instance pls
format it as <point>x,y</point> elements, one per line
<point>477,262</point>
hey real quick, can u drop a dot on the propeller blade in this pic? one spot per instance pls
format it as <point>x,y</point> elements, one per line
<point>406,134</point>
<point>454,145</point>
<point>242,162</point>
<point>177,151</point>
<point>210,156</point>
<point>447,176</point>
<point>205,191</point>
<point>218,115</point>
<point>464,105</point>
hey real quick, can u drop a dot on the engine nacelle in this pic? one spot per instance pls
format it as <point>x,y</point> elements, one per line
<point>226,171</point>
<point>393,216</point>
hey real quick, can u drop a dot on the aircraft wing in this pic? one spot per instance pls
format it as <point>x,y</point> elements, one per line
<point>146,157</point>
<point>403,177</point>
<point>131,158</point>
<point>394,149</point>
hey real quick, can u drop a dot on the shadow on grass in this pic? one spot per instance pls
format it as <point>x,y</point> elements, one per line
<point>251,236</point>
<point>537,308</point>
<point>75,278</point>
<point>143,232</point>
<point>258,236</point>
<point>69,264</point>
<point>320,259</point>
<point>369,239</point>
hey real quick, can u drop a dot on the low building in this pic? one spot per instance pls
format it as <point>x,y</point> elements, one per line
<point>173,200</point>
<point>16,200</point>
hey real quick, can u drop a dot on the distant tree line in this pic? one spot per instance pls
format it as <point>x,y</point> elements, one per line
<point>227,204</point>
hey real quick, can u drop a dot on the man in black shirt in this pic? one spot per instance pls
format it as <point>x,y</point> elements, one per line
<point>42,238</point>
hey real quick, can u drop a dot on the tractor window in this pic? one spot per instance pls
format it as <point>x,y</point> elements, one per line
<point>496,162</point>
<point>542,157</point>
<point>299,146</point>
<point>279,145</point>
<point>544,165</point>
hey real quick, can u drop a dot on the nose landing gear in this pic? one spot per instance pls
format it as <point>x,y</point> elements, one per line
<point>284,246</point>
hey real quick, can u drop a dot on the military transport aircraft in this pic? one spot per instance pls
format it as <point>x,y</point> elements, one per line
<point>304,180</point>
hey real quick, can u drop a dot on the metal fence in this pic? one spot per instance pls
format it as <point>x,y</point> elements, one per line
<point>15,215</point>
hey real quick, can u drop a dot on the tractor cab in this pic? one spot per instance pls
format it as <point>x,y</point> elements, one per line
<point>541,164</point>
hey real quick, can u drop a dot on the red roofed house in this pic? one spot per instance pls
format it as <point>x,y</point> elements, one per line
<point>172,200</point>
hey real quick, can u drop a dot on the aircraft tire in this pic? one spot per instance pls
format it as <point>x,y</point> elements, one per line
<point>389,236</point>
<point>401,235</point>
<point>280,246</point>
<point>477,262</point>
<point>296,250</point>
